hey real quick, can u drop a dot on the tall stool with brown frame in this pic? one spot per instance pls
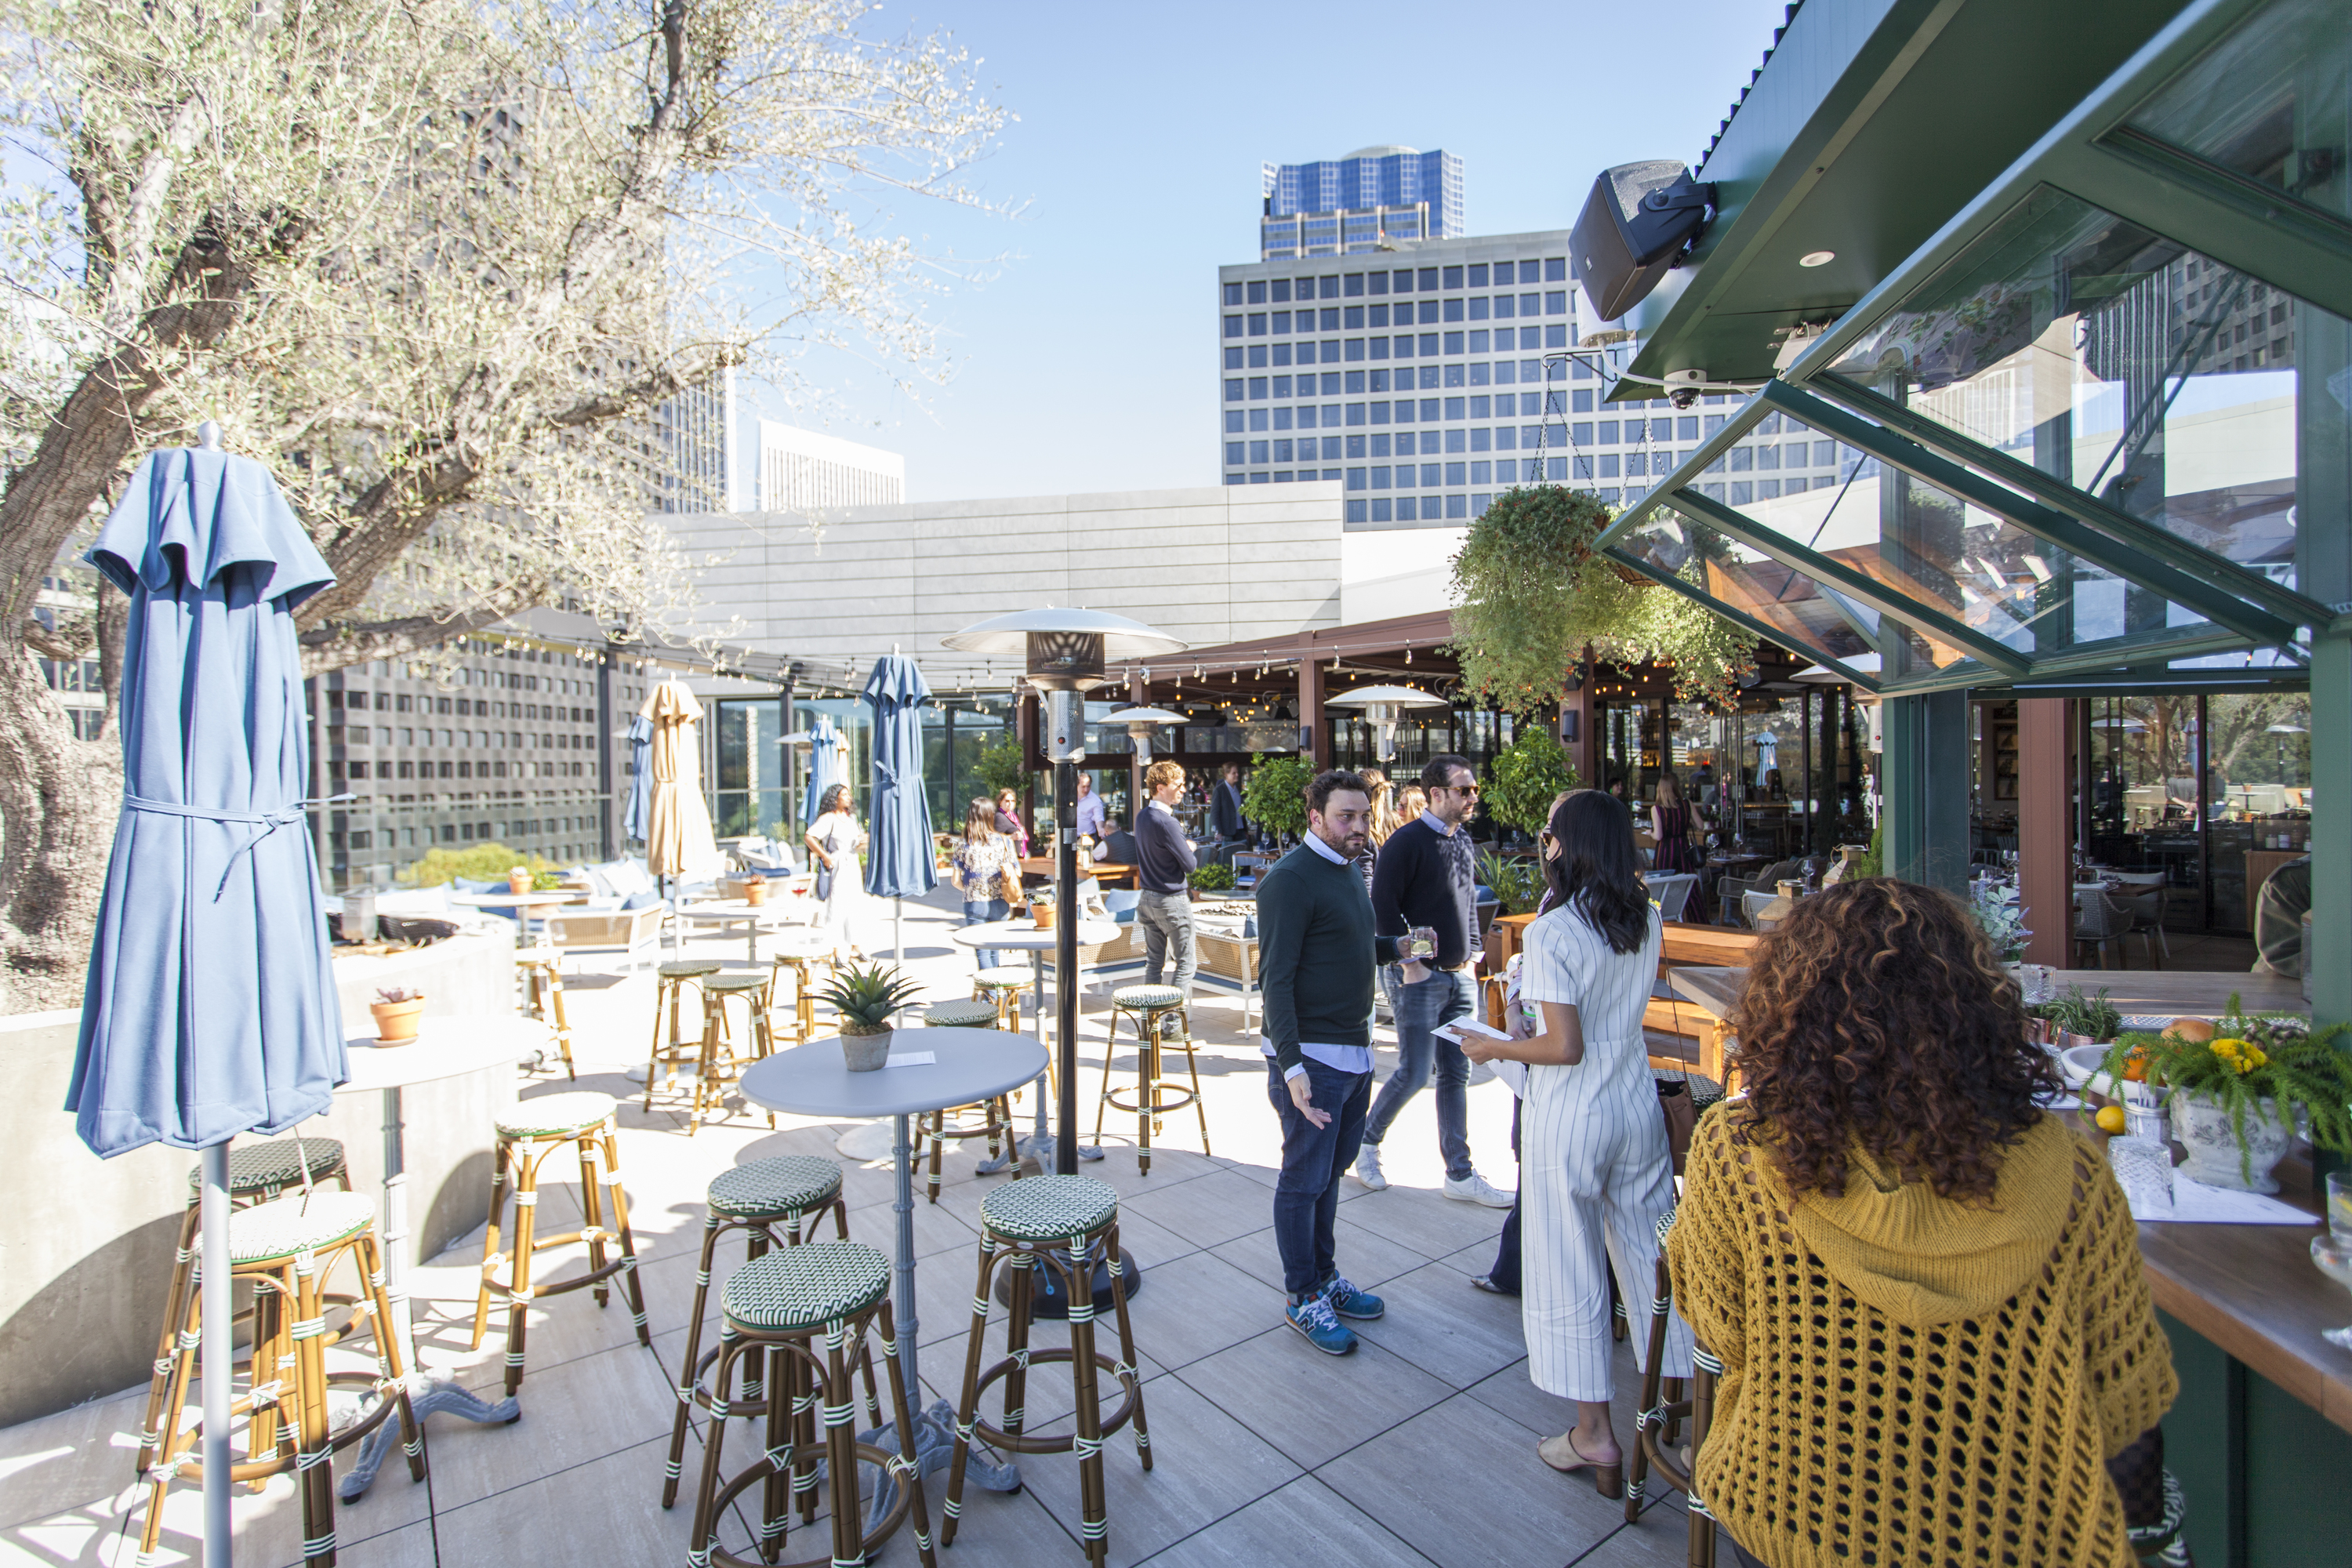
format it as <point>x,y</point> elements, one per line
<point>1068,1225</point>
<point>718,1065</point>
<point>758,1197</point>
<point>670,980</point>
<point>1150,1009</point>
<point>527,1134</point>
<point>995,1115</point>
<point>285,1250</point>
<point>1665,1406</point>
<point>543,972</point>
<point>258,1174</point>
<point>807,1309</point>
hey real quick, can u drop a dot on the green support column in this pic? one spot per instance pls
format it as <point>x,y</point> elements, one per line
<point>2330,964</point>
<point>1927,789</point>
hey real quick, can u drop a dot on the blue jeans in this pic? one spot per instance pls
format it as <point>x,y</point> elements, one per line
<point>1307,1194</point>
<point>980,911</point>
<point>1440,999</point>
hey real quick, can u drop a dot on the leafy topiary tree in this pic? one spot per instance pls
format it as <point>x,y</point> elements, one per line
<point>1276,796</point>
<point>1525,777</point>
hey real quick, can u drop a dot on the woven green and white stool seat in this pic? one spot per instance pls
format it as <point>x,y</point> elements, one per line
<point>297,1224</point>
<point>1146,997</point>
<point>1001,982</point>
<point>555,1115</point>
<point>275,1162</point>
<point>790,1184</point>
<point>1049,1209</point>
<point>961,1016</point>
<point>1666,1224</point>
<point>805,1287</point>
<point>735,982</point>
<point>687,969</point>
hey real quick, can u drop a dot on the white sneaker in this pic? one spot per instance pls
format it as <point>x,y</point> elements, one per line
<point>1475,1188</point>
<point>1368,1167</point>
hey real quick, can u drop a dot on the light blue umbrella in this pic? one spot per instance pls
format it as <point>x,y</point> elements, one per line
<point>898,860</point>
<point>638,810</point>
<point>826,767</point>
<point>210,1006</point>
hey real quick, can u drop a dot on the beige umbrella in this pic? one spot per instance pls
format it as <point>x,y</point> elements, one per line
<point>678,840</point>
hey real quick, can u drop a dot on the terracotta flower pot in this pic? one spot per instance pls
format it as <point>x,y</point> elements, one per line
<point>518,884</point>
<point>396,1022</point>
<point>1045,913</point>
<point>755,891</point>
<point>864,1049</point>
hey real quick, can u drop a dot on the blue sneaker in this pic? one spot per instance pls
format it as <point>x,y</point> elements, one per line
<point>1350,1302</point>
<point>1313,1317</point>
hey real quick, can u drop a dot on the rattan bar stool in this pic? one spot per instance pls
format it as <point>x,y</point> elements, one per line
<point>1069,1225</point>
<point>802,966</point>
<point>670,980</point>
<point>755,1197</point>
<point>286,1248</point>
<point>718,1064</point>
<point>1002,990</point>
<point>528,1134</point>
<point>258,1174</point>
<point>1150,1009</point>
<point>995,1115</point>
<point>780,1305</point>
<point>542,970</point>
<point>1665,1406</point>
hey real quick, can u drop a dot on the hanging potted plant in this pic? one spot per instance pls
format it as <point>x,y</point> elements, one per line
<point>866,997</point>
<point>396,1011</point>
<point>2233,1093</point>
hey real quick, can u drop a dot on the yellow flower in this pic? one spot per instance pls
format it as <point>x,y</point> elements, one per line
<point>2256,1056</point>
<point>2228,1048</point>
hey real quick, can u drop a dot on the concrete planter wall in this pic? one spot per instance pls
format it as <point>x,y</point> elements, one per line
<point>85,1243</point>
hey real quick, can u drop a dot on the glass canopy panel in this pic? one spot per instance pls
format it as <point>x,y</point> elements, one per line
<point>2273,102</point>
<point>1748,580</point>
<point>1940,551</point>
<point>2127,365</point>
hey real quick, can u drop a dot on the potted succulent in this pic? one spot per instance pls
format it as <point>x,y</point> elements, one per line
<point>2232,1087</point>
<point>2080,1020</point>
<point>396,1009</point>
<point>866,996</point>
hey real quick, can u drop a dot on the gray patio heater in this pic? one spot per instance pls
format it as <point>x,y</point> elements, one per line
<point>1142,723</point>
<point>1382,706</point>
<point>1066,652</point>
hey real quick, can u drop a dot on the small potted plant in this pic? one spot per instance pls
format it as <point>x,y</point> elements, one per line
<point>867,996</point>
<point>2080,1020</point>
<point>2233,1086</point>
<point>2001,920</point>
<point>1042,906</point>
<point>396,1010</point>
<point>1210,879</point>
<point>2038,1027</point>
<point>518,878</point>
<point>755,889</point>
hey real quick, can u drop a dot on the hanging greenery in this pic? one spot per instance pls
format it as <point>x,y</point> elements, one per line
<point>1534,595</point>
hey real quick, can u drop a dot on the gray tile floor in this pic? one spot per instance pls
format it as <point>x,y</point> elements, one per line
<point>1419,1448</point>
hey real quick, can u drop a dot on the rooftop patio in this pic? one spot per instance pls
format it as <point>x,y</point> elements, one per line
<point>1420,1447</point>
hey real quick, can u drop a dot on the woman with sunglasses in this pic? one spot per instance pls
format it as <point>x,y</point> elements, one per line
<point>1595,1176</point>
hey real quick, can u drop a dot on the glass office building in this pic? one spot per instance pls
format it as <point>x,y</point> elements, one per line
<point>1365,202</point>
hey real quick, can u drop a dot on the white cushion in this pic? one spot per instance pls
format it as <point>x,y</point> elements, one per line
<point>423,902</point>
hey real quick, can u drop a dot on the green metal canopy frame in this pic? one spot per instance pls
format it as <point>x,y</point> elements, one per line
<point>2093,157</point>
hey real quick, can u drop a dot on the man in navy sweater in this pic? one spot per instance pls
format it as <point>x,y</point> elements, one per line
<point>1425,878</point>
<point>1163,871</point>
<point>1318,951</point>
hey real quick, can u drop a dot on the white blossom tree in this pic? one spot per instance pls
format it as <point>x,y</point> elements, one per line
<point>435,261</point>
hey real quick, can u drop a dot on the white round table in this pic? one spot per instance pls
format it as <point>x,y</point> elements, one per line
<point>445,1047</point>
<point>1024,936</point>
<point>753,918</point>
<point>521,903</point>
<point>968,1066</point>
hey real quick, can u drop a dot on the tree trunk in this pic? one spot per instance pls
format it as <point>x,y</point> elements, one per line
<point>58,799</point>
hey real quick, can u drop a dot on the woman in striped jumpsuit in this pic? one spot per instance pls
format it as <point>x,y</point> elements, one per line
<point>1595,1177</point>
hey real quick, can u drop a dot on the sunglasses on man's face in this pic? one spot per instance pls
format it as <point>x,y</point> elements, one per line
<point>1468,789</point>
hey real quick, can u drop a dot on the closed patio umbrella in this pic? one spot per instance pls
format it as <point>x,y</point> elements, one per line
<point>678,842</point>
<point>210,1006</point>
<point>898,862</point>
<point>826,767</point>
<point>636,812</point>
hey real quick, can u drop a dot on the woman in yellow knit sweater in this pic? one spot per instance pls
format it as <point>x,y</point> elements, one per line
<point>1937,1346</point>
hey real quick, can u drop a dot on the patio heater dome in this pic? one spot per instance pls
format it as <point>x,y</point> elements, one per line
<point>1142,723</point>
<point>1382,707</point>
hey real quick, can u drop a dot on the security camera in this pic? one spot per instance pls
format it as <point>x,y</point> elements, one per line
<point>1683,387</point>
<point>1683,397</point>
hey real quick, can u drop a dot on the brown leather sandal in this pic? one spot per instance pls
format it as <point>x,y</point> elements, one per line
<point>1608,1480</point>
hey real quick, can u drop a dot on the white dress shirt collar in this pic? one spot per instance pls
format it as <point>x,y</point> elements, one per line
<point>1434,825</point>
<point>1315,839</point>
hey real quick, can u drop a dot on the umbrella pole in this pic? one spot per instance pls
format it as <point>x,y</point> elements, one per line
<point>218,1353</point>
<point>1065,960</point>
<point>898,930</point>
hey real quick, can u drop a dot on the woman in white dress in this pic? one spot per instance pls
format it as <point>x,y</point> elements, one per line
<point>1594,1175</point>
<point>834,840</point>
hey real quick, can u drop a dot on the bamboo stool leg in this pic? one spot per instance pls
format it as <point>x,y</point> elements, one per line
<point>968,1405</point>
<point>160,1375</point>
<point>527,1158</point>
<point>499,1159</point>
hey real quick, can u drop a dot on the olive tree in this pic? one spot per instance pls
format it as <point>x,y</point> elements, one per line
<point>436,263</point>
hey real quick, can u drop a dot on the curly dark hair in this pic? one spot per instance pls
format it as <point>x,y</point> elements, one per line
<point>1877,1016</point>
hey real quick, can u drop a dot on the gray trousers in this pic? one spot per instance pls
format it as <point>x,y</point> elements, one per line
<point>1166,923</point>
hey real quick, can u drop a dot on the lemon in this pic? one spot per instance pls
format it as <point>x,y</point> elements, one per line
<point>2111,1118</point>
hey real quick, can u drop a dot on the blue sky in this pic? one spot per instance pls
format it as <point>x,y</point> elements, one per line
<point>1086,360</point>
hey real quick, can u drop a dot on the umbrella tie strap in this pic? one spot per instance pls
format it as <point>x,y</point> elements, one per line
<point>264,823</point>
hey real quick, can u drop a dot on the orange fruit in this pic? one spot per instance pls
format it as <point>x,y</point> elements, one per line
<point>2110,1119</point>
<point>2135,1066</point>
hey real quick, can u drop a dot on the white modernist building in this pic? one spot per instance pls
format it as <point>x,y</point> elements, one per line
<point>804,471</point>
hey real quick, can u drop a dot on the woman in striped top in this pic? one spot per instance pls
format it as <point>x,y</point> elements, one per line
<point>1595,1177</point>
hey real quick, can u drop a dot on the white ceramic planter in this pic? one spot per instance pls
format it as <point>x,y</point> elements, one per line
<point>2204,1131</point>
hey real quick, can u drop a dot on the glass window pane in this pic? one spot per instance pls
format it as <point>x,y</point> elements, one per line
<point>2269,103</point>
<point>1788,601</point>
<point>2125,364</point>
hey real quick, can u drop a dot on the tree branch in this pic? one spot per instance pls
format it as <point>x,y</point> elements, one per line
<point>337,646</point>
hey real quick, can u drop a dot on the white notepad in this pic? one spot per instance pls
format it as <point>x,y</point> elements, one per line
<point>911,1059</point>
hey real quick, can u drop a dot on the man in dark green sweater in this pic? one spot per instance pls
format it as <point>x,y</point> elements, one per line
<point>1317,956</point>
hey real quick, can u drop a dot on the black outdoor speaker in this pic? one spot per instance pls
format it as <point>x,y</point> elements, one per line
<point>1635,224</point>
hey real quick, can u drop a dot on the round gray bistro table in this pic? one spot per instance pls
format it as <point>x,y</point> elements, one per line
<point>969,1065</point>
<point>1026,936</point>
